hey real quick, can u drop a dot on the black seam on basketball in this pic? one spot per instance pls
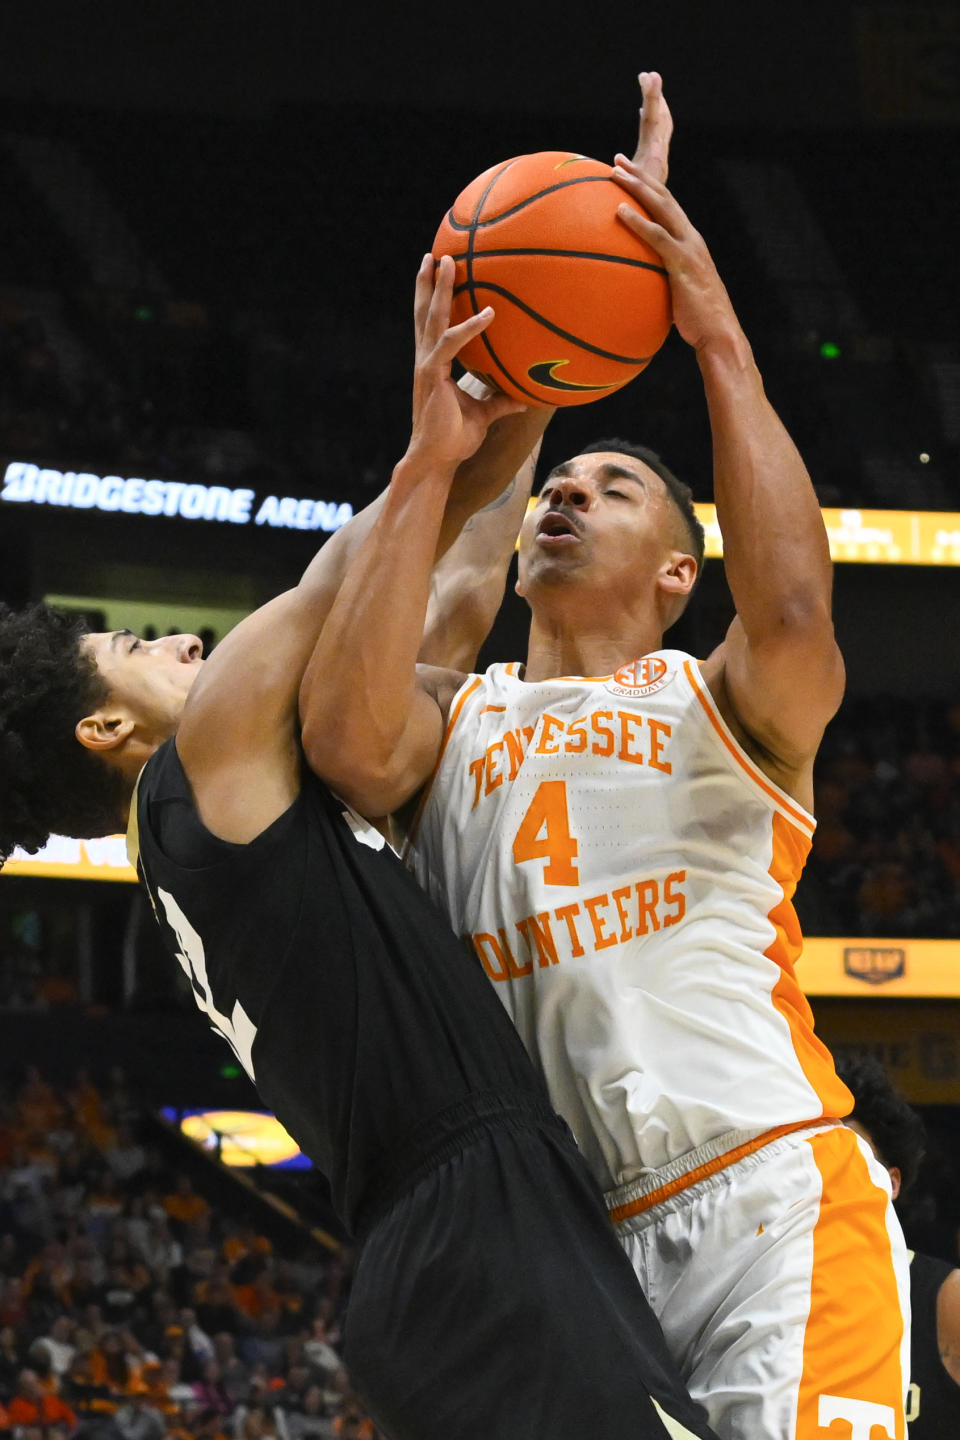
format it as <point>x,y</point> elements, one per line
<point>471,291</point>
<point>572,255</point>
<point>474,223</point>
<point>549,325</point>
<point>503,369</point>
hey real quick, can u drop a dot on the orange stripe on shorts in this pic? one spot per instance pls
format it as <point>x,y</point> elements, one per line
<point>851,1348</point>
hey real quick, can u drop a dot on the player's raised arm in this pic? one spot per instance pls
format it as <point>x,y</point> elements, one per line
<point>369,727</point>
<point>779,671</point>
<point>467,584</point>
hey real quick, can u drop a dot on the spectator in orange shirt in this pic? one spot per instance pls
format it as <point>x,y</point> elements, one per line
<point>245,1241</point>
<point>155,1388</point>
<point>255,1295</point>
<point>32,1405</point>
<point>86,1374</point>
<point>116,1364</point>
<point>183,1204</point>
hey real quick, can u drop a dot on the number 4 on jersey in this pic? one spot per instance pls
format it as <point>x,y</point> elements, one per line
<point>544,834</point>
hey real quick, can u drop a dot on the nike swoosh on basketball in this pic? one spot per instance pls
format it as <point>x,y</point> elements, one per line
<point>542,373</point>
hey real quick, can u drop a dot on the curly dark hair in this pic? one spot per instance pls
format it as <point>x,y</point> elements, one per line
<point>895,1128</point>
<point>48,782</point>
<point>679,492</point>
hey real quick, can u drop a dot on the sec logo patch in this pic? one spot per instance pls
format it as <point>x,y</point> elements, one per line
<point>640,677</point>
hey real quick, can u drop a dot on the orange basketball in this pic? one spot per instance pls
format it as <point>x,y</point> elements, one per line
<point>582,304</point>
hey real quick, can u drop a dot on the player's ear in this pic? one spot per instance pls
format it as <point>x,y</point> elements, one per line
<point>104,730</point>
<point>896,1179</point>
<point>678,574</point>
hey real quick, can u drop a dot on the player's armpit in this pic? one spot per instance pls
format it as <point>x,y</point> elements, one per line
<point>779,695</point>
<point>237,738</point>
<point>249,685</point>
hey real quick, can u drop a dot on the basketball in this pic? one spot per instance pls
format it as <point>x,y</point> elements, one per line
<point>582,304</point>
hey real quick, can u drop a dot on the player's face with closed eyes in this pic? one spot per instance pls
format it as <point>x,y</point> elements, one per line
<point>603,519</point>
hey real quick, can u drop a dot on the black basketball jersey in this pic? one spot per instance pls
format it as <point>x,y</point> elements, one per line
<point>934,1405</point>
<point>354,1009</point>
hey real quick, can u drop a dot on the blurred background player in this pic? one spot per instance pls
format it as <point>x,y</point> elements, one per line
<point>894,1131</point>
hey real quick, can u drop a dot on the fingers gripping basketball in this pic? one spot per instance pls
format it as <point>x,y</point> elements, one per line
<point>581,303</point>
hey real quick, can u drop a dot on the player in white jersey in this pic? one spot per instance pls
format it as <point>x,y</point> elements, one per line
<point>618,830</point>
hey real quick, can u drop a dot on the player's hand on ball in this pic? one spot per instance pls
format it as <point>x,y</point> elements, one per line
<point>702,311</point>
<point>656,128</point>
<point>449,424</point>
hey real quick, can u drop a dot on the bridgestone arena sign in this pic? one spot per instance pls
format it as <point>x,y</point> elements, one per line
<point>30,484</point>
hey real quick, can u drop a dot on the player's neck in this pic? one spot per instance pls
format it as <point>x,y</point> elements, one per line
<point>126,803</point>
<point>597,646</point>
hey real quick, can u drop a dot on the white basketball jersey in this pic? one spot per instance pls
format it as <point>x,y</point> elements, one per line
<point>624,874</point>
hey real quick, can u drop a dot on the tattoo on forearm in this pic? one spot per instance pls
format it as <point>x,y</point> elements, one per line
<point>501,499</point>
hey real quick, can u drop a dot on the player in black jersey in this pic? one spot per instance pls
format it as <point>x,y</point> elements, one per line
<point>490,1298</point>
<point>895,1133</point>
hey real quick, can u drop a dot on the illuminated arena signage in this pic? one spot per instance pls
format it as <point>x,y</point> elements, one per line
<point>240,1137</point>
<point>24,483</point>
<point>873,537</point>
<point>103,859</point>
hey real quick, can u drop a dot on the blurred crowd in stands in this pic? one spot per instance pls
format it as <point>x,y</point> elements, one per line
<point>242,406</point>
<point>130,1309</point>
<point>886,851</point>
